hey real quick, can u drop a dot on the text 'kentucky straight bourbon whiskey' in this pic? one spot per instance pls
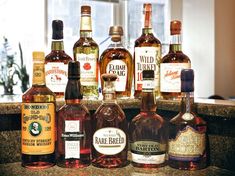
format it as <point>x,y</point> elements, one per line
<point>147,54</point>
<point>86,51</point>
<point>38,120</point>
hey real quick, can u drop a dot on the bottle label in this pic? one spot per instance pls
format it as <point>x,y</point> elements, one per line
<point>170,76</point>
<point>38,128</point>
<point>148,85</point>
<point>88,68</point>
<point>56,76</point>
<point>119,68</point>
<point>109,141</point>
<point>147,58</point>
<point>189,145</point>
<point>148,152</point>
<point>38,73</point>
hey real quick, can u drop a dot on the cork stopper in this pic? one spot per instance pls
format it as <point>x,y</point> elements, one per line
<point>187,80</point>
<point>38,56</point>
<point>109,77</point>
<point>175,27</point>
<point>57,28</point>
<point>74,70</point>
<point>85,9</point>
<point>148,74</point>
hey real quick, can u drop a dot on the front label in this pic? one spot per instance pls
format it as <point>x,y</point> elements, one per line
<point>88,68</point>
<point>56,76</point>
<point>188,145</point>
<point>109,141</point>
<point>119,68</point>
<point>170,76</point>
<point>147,58</point>
<point>38,128</point>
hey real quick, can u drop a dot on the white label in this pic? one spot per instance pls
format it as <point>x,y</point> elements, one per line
<point>56,76</point>
<point>109,141</point>
<point>119,68</point>
<point>170,76</point>
<point>72,149</point>
<point>88,66</point>
<point>148,159</point>
<point>148,84</point>
<point>72,126</point>
<point>147,58</point>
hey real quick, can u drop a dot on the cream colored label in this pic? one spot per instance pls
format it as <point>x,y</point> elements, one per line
<point>85,24</point>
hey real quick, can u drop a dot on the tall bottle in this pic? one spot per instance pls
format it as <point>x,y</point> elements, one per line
<point>147,54</point>
<point>110,135</point>
<point>74,128</point>
<point>172,64</point>
<point>86,51</point>
<point>187,137</point>
<point>56,63</point>
<point>148,130</point>
<point>38,120</point>
<point>117,60</point>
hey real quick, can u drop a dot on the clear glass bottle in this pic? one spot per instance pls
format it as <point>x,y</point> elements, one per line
<point>110,135</point>
<point>172,64</point>
<point>147,54</point>
<point>117,60</point>
<point>86,51</point>
<point>74,125</point>
<point>148,131</point>
<point>38,120</point>
<point>187,132</point>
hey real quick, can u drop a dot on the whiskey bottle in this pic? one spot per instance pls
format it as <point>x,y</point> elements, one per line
<point>147,54</point>
<point>38,120</point>
<point>117,60</point>
<point>56,63</point>
<point>74,130</point>
<point>110,136</point>
<point>187,133</point>
<point>86,51</point>
<point>172,64</point>
<point>148,131</point>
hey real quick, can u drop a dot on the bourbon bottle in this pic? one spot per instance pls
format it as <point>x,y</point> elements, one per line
<point>56,63</point>
<point>38,120</point>
<point>74,130</point>
<point>110,135</point>
<point>86,51</point>
<point>117,60</point>
<point>147,54</point>
<point>148,130</point>
<point>172,64</point>
<point>187,137</point>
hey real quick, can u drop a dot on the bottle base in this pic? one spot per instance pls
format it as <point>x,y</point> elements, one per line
<point>73,164</point>
<point>134,164</point>
<point>187,165</point>
<point>38,165</point>
<point>109,163</point>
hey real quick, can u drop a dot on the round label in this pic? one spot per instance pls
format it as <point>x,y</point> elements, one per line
<point>109,141</point>
<point>187,116</point>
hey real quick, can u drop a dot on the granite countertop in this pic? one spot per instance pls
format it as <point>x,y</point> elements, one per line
<point>15,169</point>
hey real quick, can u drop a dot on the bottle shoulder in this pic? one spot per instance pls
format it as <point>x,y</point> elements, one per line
<point>85,42</point>
<point>74,109</point>
<point>192,119</point>
<point>147,40</point>
<point>176,57</point>
<point>58,56</point>
<point>116,54</point>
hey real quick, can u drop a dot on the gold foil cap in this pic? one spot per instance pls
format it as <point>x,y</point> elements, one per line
<point>116,30</point>
<point>175,27</point>
<point>85,9</point>
<point>38,56</point>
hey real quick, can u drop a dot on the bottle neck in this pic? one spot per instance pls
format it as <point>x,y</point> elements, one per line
<point>175,44</point>
<point>148,19</point>
<point>85,26</point>
<point>109,94</point>
<point>115,43</point>
<point>187,102</point>
<point>38,73</point>
<point>57,45</point>
<point>73,90</point>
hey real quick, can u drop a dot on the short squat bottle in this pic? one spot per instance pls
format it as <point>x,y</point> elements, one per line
<point>148,131</point>
<point>110,136</point>
<point>74,130</point>
<point>187,133</point>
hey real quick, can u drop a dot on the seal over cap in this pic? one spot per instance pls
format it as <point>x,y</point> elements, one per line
<point>187,80</point>
<point>148,74</point>
<point>175,27</point>
<point>116,30</point>
<point>57,27</point>
<point>85,9</point>
<point>74,69</point>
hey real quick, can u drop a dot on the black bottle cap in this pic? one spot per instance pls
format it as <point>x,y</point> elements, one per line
<point>74,70</point>
<point>57,27</point>
<point>148,74</point>
<point>187,80</point>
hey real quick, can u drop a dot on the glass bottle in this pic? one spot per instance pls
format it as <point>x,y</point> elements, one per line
<point>187,133</point>
<point>172,64</point>
<point>117,60</point>
<point>110,135</point>
<point>56,62</point>
<point>38,120</point>
<point>148,130</point>
<point>74,128</point>
<point>147,54</point>
<point>86,51</point>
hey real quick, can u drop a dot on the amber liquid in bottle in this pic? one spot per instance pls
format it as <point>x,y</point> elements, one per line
<point>86,51</point>
<point>38,120</point>
<point>187,132</point>
<point>74,125</point>
<point>147,54</point>
<point>117,60</point>
<point>110,135</point>
<point>56,63</point>
<point>148,131</point>
<point>172,64</point>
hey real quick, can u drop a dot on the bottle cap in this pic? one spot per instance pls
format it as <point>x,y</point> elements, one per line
<point>57,27</point>
<point>38,56</point>
<point>74,70</point>
<point>147,7</point>
<point>85,9</point>
<point>109,77</point>
<point>148,74</point>
<point>175,27</point>
<point>187,80</point>
<point>116,30</point>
